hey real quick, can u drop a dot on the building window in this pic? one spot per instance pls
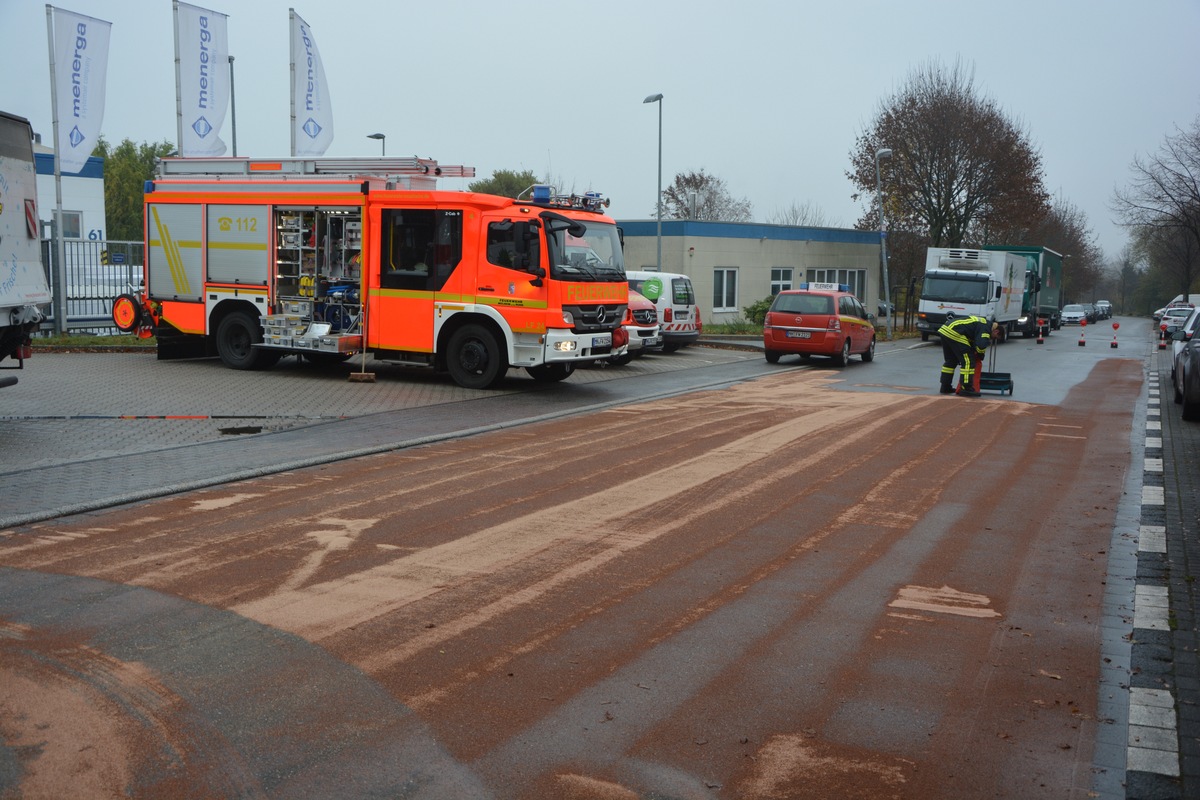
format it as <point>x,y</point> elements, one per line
<point>72,224</point>
<point>781,279</point>
<point>725,289</point>
<point>856,279</point>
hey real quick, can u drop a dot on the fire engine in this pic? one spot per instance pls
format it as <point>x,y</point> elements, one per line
<point>252,260</point>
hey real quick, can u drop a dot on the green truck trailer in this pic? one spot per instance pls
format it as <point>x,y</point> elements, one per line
<point>1042,303</point>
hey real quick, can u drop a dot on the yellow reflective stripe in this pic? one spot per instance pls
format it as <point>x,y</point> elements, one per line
<point>174,259</point>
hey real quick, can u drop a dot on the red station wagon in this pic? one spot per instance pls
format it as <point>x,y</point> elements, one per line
<point>819,319</point>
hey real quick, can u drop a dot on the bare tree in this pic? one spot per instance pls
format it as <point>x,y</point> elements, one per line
<point>696,195</point>
<point>1173,253</point>
<point>1064,228</point>
<point>1162,203</point>
<point>806,214</point>
<point>960,172</point>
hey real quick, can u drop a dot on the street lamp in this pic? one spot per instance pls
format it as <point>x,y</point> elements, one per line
<point>657,98</point>
<point>382,142</point>
<point>884,152</point>
<point>232,106</point>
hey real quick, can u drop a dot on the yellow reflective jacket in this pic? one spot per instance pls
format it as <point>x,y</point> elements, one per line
<point>971,331</point>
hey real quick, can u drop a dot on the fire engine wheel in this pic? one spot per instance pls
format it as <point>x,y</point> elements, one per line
<point>843,358</point>
<point>127,313</point>
<point>236,336</point>
<point>621,360</point>
<point>474,359</point>
<point>550,373</point>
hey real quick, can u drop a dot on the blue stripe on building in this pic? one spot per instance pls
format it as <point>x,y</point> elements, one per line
<point>747,230</point>
<point>94,168</point>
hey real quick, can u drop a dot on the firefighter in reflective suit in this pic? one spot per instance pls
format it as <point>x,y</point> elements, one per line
<point>964,340</point>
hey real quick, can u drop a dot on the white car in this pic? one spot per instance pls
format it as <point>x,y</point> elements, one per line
<point>1172,318</point>
<point>1190,327</point>
<point>1074,314</point>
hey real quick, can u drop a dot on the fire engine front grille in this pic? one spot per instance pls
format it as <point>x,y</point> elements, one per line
<point>590,319</point>
<point>645,316</point>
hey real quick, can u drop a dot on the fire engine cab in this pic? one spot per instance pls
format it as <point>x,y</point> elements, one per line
<point>252,260</point>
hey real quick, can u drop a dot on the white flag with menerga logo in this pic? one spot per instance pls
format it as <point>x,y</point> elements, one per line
<point>80,64</point>
<point>202,78</point>
<point>312,113</point>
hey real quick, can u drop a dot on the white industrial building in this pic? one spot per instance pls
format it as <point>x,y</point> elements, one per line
<point>735,264</point>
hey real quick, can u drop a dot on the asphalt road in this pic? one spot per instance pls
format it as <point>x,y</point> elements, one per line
<point>700,577</point>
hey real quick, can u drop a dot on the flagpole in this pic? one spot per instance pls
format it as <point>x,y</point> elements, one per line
<point>292,74</point>
<point>60,267</point>
<point>178,84</point>
<point>232,107</point>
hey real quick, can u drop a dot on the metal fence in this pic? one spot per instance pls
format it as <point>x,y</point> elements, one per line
<point>96,273</point>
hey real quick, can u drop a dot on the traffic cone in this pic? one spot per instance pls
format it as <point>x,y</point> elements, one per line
<point>1114,341</point>
<point>1082,326</point>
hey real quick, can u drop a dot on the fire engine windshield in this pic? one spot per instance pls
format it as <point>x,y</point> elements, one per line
<point>588,251</point>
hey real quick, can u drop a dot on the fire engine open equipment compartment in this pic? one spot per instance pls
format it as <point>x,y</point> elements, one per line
<point>317,275</point>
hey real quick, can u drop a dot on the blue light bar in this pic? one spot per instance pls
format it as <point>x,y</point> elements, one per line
<point>541,193</point>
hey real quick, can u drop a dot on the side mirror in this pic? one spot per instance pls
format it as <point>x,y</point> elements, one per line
<point>538,274</point>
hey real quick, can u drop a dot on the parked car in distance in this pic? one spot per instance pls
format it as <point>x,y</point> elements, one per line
<point>641,323</point>
<point>1105,308</point>
<point>1172,318</point>
<point>818,319</point>
<point>1073,314</point>
<point>1185,374</point>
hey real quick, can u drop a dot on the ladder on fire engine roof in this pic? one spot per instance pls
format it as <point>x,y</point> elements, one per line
<point>283,168</point>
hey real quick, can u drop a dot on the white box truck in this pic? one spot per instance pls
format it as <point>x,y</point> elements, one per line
<point>983,283</point>
<point>24,293</point>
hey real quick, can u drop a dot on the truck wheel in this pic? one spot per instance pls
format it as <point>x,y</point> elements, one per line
<point>843,358</point>
<point>924,336</point>
<point>552,373</point>
<point>236,336</point>
<point>474,359</point>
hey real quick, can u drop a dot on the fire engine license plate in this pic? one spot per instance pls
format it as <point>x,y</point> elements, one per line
<point>798,335</point>
<point>602,341</point>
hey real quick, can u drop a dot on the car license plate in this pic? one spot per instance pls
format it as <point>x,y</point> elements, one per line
<point>651,341</point>
<point>799,335</point>
<point>602,341</point>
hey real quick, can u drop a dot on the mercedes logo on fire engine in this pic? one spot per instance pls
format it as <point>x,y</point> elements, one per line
<point>601,314</point>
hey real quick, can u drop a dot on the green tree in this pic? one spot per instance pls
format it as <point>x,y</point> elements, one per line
<point>505,183</point>
<point>127,167</point>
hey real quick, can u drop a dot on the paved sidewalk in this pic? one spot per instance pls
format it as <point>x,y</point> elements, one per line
<point>1164,731</point>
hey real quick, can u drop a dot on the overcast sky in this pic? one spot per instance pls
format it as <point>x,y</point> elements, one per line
<point>768,96</point>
